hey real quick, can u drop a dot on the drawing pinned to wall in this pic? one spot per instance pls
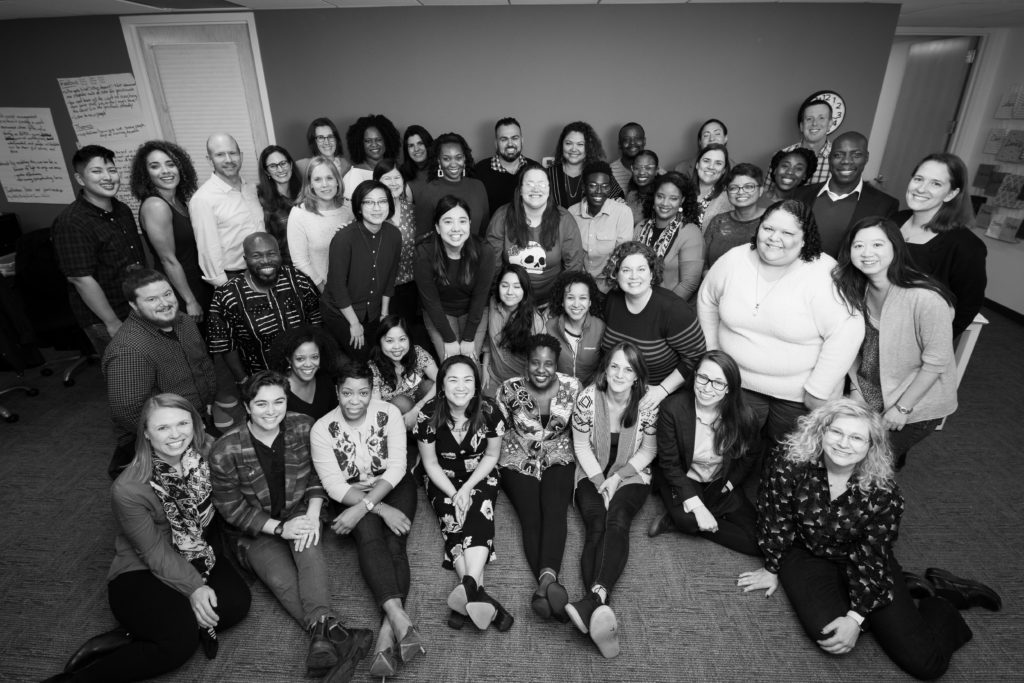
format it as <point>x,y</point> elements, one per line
<point>1009,190</point>
<point>32,168</point>
<point>1004,110</point>
<point>1012,150</point>
<point>994,141</point>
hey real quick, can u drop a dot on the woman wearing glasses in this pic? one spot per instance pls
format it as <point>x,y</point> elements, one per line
<point>670,228</point>
<point>324,141</point>
<point>743,184</point>
<point>704,440</point>
<point>362,267</point>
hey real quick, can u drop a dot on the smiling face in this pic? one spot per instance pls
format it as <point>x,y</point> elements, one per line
<point>279,168</point>
<point>375,207</point>
<point>263,260</point>
<point>846,441</point>
<point>324,184</point>
<point>535,189</point>
<point>596,190</point>
<point>711,166</point>
<point>454,227</point>
<point>574,148</point>
<point>458,385</point>
<point>354,397</point>
<point>667,201</point>
<point>169,431</point>
<point>712,132</point>
<point>510,290</point>
<point>707,394</point>
<point>416,149</point>
<point>508,142</point>
<point>395,343</point>
<point>99,179</point>
<point>541,364</point>
<point>631,141</point>
<point>871,252</point>
<point>620,375</point>
<point>644,170</point>
<point>156,303</point>
<point>576,301</point>
<point>394,181</point>
<point>815,122</point>
<point>163,172</point>
<point>847,159</point>
<point>790,172</point>
<point>452,161</point>
<point>373,145</point>
<point>634,275</point>
<point>743,191</point>
<point>223,153</point>
<point>779,239</point>
<point>930,187</point>
<point>326,143</point>
<point>268,407</point>
<point>305,361</point>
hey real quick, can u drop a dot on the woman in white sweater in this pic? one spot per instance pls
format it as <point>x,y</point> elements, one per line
<point>313,221</point>
<point>773,307</point>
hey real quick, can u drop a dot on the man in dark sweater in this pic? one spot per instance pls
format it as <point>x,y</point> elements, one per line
<point>498,173</point>
<point>845,198</point>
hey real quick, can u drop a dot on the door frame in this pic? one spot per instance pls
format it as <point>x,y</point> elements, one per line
<point>130,26</point>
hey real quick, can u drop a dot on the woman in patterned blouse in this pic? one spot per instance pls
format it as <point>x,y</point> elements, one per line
<point>405,301</point>
<point>615,443</point>
<point>459,435</point>
<point>537,465</point>
<point>359,453</point>
<point>403,372</point>
<point>829,516</point>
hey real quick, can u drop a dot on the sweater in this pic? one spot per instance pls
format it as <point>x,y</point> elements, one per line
<point>470,190</point>
<point>309,239</point>
<point>788,337</point>
<point>454,299</point>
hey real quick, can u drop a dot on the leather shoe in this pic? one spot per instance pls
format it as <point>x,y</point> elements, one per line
<point>322,655</point>
<point>96,647</point>
<point>502,619</point>
<point>660,525</point>
<point>918,586</point>
<point>384,663</point>
<point>963,593</point>
<point>456,620</point>
<point>580,611</point>
<point>411,645</point>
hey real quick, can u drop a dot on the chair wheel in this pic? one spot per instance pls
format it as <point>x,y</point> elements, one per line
<point>32,392</point>
<point>13,417</point>
<point>46,372</point>
<point>69,382</point>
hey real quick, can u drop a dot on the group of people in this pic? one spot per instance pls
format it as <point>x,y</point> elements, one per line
<point>590,332</point>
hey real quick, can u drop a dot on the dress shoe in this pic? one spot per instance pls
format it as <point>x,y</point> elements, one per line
<point>580,611</point>
<point>384,663</point>
<point>558,598</point>
<point>411,645</point>
<point>462,594</point>
<point>349,643</point>
<point>502,619</point>
<point>963,593</point>
<point>604,631</point>
<point>456,620</point>
<point>322,656</point>
<point>481,612</point>
<point>541,606</point>
<point>96,647</point>
<point>918,586</point>
<point>660,525</point>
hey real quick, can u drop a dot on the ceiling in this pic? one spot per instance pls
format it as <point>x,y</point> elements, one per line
<point>918,13</point>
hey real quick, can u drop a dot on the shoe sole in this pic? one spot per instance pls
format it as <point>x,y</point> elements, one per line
<point>457,599</point>
<point>558,599</point>
<point>541,606</point>
<point>604,631</point>
<point>576,619</point>
<point>321,662</point>
<point>482,614</point>
<point>382,667</point>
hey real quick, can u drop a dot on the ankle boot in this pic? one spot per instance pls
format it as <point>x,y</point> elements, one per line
<point>97,647</point>
<point>502,619</point>
<point>322,654</point>
<point>481,611</point>
<point>580,611</point>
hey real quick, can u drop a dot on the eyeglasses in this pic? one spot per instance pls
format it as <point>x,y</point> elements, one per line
<point>378,204</point>
<point>536,185</point>
<point>745,189</point>
<point>838,435</point>
<point>703,379</point>
<point>324,138</point>
<point>279,166</point>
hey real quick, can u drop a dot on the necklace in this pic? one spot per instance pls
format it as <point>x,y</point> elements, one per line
<point>757,282</point>
<point>574,194</point>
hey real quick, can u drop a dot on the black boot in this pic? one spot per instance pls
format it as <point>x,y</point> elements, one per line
<point>96,647</point>
<point>502,619</point>
<point>963,593</point>
<point>580,611</point>
<point>351,645</point>
<point>918,586</point>
<point>322,654</point>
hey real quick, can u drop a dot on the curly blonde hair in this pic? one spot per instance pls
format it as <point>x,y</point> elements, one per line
<point>804,445</point>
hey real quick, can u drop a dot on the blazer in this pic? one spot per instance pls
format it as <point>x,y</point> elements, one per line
<point>677,420</point>
<point>872,202</point>
<point>240,491</point>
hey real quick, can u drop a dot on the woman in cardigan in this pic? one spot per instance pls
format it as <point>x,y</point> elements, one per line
<point>614,441</point>
<point>459,435</point>
<point>704,454</point>
<point>671,228</point>
<point>574,326</point>
<point>532,231</point>
<point>536,461</point>
<point>319,213</point>
<point>452,174</point>
<point>265,488</point>
<point>171,587</point>
<point>905,368</point>
<point>828,518</point>
<point>359,450</point>
<point>454,271</point>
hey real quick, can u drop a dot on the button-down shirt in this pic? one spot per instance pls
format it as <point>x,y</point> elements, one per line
<point>821,173</point>
<point>363,269</point>
<point>601,233</point>
<point>825,189</point>
<point>223,216</point>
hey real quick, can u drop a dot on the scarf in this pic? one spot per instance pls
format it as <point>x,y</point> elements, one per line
<point>186,502</point>
<point>602,437</point>
<point>665,239</point>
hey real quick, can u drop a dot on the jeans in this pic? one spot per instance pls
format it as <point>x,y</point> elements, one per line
<point>382,557</point>
<point>736,516</point>
<point>297,580</point>
<point>458,324</point>
<point>912,433</point>
<point>920,639</point>
<point>541,506</point>
<point>606,546</point>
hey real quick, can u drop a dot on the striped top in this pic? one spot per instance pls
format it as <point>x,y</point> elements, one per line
<point>666,332</point>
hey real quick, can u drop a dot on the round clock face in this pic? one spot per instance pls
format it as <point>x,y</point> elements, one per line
<point>838,106</point>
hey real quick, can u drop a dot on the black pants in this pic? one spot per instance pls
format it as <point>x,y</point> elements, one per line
<point>161,622</point>
<point>606,546</point>
<point>382,557</point>
<point>541,506</point>
<point>736,516</point>
<point>920,639</point>
<point>912,433</point>
<point>339,328</point>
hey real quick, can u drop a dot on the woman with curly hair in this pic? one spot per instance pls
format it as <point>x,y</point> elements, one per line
<point>417,146</point>
<point>640,188</point>
<point>370,139</point>
<point>709,174</point>
<point>459,434</point>
<point>532,231</point>
<point>743,184</point>
<point>279,188</point>
<point>512,318</point>
<point>309,358</point>
<point>829,517</point>
<point>572,323</point>
<point>577,146</point>
<point>324,140</point>
<point>653,319</point>
<point>670,227</point>
<point>451,173</point>
<point>163,180</point>
<point>773,307</point>
<point>786,172</point>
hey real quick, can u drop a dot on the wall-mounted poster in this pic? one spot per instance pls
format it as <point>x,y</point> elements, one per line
<point>32,166</point>
<point>1012,150</point>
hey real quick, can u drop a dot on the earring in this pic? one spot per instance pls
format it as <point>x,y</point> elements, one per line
<point>463,171</point>
<point>440,173</point>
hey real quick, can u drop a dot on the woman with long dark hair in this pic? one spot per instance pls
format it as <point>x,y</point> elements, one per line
<point>709,174</point>
<point>577,146</point>
<point>403,373</point>
<point>451,173</point>
<point>705,451</point>
<point>512,318</point>
<point>905,368</point>
<point>614,442</point>
<point>459,434</point>
<point>454,271</point>
<point>279,188</point>
<point>417,146</point>
<point>639,191</point>
<point>324,140</point>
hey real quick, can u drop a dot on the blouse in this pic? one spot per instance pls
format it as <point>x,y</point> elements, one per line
<point>725,232</point>
<point>407,227</point>
<point>529,447</point>
<point>856,530</point>
<point>363,269</point>
<point>344,455</point>
<point>408,385</point>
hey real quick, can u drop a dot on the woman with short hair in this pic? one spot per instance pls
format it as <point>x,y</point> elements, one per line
<point>743,185</point>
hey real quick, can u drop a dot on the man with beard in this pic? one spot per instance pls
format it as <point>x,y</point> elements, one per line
<point>498,173</point>
<point>603,224</point>
<point>248,312</point>
<point>157,349</point>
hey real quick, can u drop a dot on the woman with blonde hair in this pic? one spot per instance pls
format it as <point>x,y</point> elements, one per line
<point>319,213</point>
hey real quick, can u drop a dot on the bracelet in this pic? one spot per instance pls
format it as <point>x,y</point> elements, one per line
<point>904,411</point>
<point>369,504</point>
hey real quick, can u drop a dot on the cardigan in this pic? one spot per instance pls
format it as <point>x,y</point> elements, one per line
<point>240,490</point>
<point>640,452</point>
<point>914,334</point>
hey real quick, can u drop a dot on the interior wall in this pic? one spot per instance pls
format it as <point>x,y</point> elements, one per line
<point>461,68</point>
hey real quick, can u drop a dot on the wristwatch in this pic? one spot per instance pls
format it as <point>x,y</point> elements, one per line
<point>279,529</point>
<point>905,411</point>
<point>369,504</point>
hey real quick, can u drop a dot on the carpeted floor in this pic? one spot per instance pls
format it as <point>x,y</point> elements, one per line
<point>681,616</point>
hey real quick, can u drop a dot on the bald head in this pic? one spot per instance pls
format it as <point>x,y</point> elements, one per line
<point>223,153</point>
<point>262,258</point>
<point>852,136</point>
<point>846,161</point>
<point>258,240</point>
